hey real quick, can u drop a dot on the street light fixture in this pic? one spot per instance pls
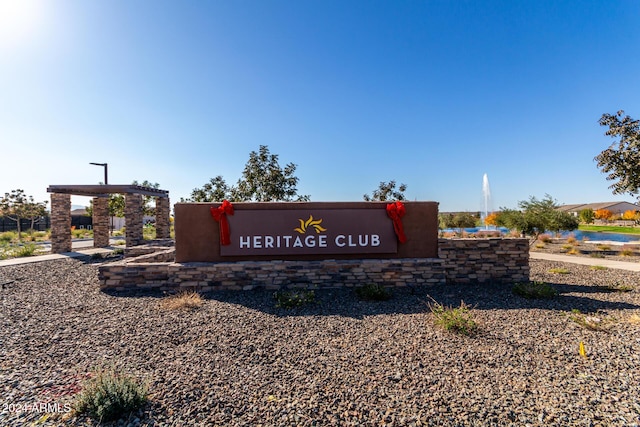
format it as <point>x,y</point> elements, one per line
<point>105,171</point>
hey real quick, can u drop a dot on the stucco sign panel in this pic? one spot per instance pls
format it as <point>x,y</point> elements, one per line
<point>308,232</point>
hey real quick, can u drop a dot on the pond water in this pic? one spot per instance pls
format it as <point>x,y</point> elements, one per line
<point>599,235</point>
<point>578,234</point>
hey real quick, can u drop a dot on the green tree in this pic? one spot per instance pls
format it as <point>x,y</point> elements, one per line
<point>534,217</point>
<point>263,180</point>
<point>117,202</point>
<point>216,190</point>
<point>148,202</point>
<point>458,220</point>
<point>18,206</point>
<point>587,215</point>
<point>621,161</point>
<point>386,192</point>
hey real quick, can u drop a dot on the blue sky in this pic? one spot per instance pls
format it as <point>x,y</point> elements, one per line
<point>433,94</point>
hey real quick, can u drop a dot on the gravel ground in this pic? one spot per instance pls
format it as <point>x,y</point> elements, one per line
<point>238,360</point>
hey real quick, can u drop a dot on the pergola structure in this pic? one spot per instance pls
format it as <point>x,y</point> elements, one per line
<point>133,213</point>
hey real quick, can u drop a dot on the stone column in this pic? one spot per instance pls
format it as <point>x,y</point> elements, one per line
<point>133,219</point>
<point>100,222</point>
<point>60,223</point>
<point>163,227</point>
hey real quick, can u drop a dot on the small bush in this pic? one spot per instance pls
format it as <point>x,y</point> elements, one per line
<point>572,240</point>
<point>109,396</point>
<point>28,249</point>
<point>559,271</point>
<point>567,247</point>
<point>596,255</point>
<point>149,232</point>
<point>458,320</point>
<point>573,251</point>
<point>184,300</point>
<point>534,290</point>
<point>9,236</point>
<point>617,287</point>
<point>373,292</point>
<point>604,247</point>
<point>540,245</point>
<point>295,298</point>
<point>626,252</point>
<point>118,251</point>
<point>545,238</point>
<point>97,255</point>
<point>587,321</point>
<point>598,267</point>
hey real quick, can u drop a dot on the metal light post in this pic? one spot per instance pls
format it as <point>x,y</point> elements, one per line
<point>105,171</point>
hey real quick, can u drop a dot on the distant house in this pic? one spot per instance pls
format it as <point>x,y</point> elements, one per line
<point>618,208</point>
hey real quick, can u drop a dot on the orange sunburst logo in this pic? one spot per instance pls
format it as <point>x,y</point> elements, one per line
<point>315,223</point>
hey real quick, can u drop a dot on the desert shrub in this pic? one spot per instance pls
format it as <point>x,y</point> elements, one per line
<point>626,251</point>
<point>598,267</point>
<point>567,247</point>
<point>25,250</point>
<point>559,270</point>
<point>294,298</point>
<point>596,255</point>
<point>184,300</point>
<point>110,395</point>
<point>617,287</point>
<point>4,250</point>
<point>534,290</point>
<point>540,245</point>
<point>573,251</point>
<point>604,247</point>
<point>454,319</point>
<point>545,238</point>
<point>587,321</point>
<point>373,292</point>
<point>149,232</point>
<point>572,240</point>
<point>9,236</point>
<point>118,251</point>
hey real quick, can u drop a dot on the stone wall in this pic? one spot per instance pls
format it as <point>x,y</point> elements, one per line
<point>133,216</point>
<point>163,213</point>
<point>60,223</point>
<point>100,222</point>
<point>461,261</point>
<point>485,260</point>
<point>248,275</point>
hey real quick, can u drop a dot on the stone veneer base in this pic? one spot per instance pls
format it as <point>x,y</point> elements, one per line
<point>461,261</point>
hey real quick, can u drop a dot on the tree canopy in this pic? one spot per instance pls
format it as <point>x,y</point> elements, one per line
<point>263,180</point>
<point>458,220</point>
<point>534,217</point>
<point>117,202</point>
<point>18,206</point>
<point>621,161</point>
<point>386,192</point>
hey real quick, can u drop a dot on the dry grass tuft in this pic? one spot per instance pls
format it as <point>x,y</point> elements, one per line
<point>188,300</point>
<point>589,321</point>
<point>634,319</point>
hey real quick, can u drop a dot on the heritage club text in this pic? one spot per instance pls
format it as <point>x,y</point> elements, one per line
<point>310,241</point>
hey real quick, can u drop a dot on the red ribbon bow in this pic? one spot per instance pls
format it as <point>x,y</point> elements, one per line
<point>396,211</point>
<point>220,214</point>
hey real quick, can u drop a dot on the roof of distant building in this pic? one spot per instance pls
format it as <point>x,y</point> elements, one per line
<point>612,206</point>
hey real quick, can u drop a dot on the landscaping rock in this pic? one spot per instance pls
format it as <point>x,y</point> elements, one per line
<point>240,361</point>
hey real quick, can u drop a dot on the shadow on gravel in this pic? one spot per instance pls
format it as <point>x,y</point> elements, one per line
<point>411,300</point>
